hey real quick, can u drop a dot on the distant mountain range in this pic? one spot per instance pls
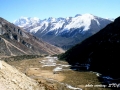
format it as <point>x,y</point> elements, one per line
<point>15,41</point>
<point>101,51</point>
<point>63,32</point>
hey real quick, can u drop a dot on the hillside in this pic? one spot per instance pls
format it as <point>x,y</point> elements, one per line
<point>101,51</point>
<point>63,32</point>
<point>12,79</point>
<point>15,41</point>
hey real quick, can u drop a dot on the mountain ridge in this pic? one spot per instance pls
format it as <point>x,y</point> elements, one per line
<point>28,21</point>
<point>71,29</point>
<point>16,41</point>
<point>100,51</point>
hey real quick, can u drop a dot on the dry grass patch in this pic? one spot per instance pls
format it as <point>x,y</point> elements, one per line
<point>34,69</point>
<point>81,79</point>
<point>46,74</point>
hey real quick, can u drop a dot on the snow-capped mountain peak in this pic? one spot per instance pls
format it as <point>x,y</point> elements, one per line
<point>64,32</point>
<point>26,22</point>
<point>87,15</point>
<point>21,21</point>
<point>83,22</point>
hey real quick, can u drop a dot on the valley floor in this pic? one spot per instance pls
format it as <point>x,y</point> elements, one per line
<point>57,75</point>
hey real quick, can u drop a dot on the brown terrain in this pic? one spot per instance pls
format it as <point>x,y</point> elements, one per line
<point>12,79</point>
<point>44,71</point>
<point>36,70</point>
<point>15,41</point>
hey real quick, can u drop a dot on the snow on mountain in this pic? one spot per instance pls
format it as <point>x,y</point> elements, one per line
<point>34,30</point>
<point>51,19</point>
<point>43,25</point>
<point>111,19</point>
<point>80,26</point>
<point>26,22</point>
<point>58,25</point>
<point>81,21</point>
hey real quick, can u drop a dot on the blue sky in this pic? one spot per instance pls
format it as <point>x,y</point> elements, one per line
<point>14,9</point>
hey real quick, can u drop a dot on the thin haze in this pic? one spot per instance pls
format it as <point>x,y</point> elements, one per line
<point>14,9</point>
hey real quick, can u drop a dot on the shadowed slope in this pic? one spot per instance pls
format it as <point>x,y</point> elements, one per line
<point>101,51</point>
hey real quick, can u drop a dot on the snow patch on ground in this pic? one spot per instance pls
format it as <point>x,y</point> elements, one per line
<point>73,88</point>
<point>57,69</point>
<point>66,85</point>
<point>52,61</point>
<point>107,77</point>
<point>98,74</point>
<point>65,65</point>
<point>104,77</point>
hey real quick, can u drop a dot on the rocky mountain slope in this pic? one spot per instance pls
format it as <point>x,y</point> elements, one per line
<point>101,51</point>
<point>12,79</point>
<point>63,32</point>
<point>15,41</point>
